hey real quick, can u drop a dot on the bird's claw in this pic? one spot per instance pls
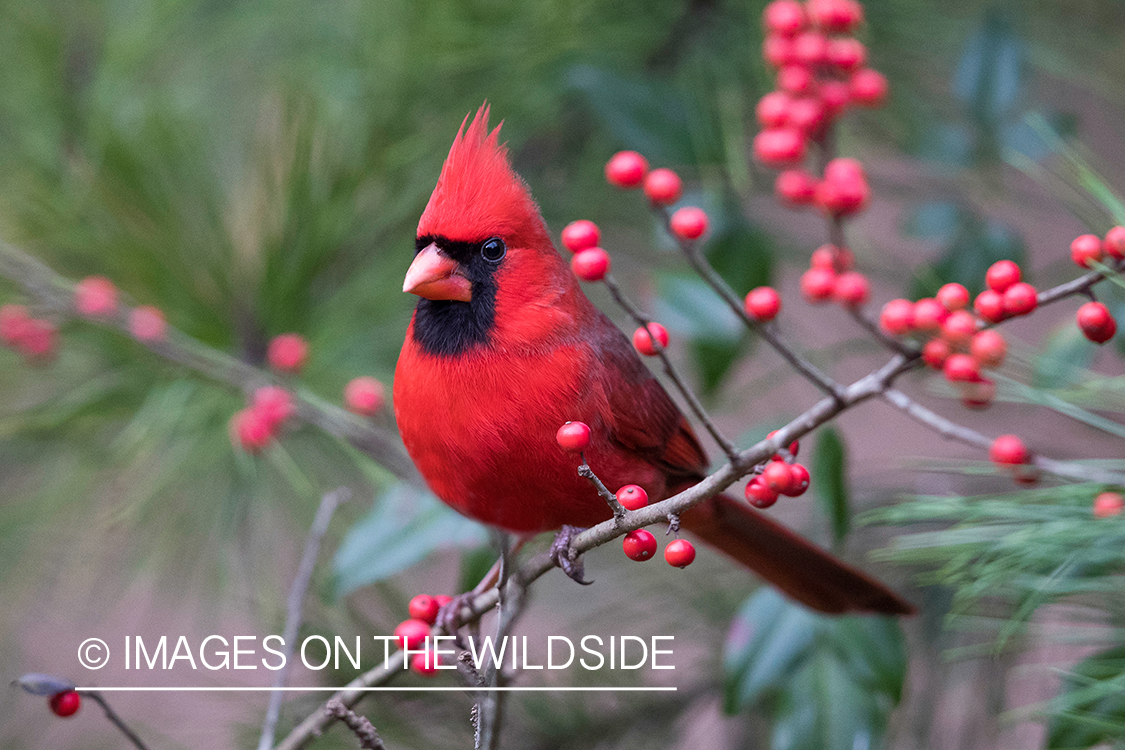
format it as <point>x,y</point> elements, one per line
<point>566,557</point>
<point>449,616</point>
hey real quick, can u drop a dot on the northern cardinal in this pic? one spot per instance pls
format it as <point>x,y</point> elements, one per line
<point>504,348</point>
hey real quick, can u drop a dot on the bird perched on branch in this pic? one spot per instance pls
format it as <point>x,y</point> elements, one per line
<point>504,348</point>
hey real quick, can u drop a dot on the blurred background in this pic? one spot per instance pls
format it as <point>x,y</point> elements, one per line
<point>254,168</point>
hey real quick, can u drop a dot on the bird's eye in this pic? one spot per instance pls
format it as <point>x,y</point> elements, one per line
<point>493,250</point>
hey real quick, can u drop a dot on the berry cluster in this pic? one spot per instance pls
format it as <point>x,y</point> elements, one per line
<point>663,187</point>
<point>821,71</point>
<point>832,277</point>
<point>640,544</point>
<point>29,336</point>
<point>412,633</point>
<point>780,476</point>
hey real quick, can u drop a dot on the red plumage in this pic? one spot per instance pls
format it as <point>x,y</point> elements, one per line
<point>480,392</point>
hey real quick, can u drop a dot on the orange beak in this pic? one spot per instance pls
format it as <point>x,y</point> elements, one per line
<point>434,275</point>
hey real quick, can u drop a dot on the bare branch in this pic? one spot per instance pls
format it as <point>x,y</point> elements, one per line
<point>56,294</point>
<point>114,719</point>
<point>295,604</point>
<point>361,726</point>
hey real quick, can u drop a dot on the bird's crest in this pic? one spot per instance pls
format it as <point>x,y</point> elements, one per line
<point>478,195</point>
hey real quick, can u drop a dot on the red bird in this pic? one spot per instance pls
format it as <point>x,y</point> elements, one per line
<point>504,347</point>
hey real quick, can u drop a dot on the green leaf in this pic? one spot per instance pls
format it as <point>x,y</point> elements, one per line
<point>405,525</point>
<point>1090,708</point>
<point>989,75</point>
<point>829,480</point>
<point>1064,359</point>
<point>835,679</point>
<point>934,220</point>
<point>766,639</point>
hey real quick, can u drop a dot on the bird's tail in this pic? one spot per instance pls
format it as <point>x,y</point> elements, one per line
<point>797,567</point>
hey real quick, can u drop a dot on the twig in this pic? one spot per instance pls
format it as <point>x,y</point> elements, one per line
<point>55,293</point>
<point>114,719</point>
<point>511,597</point>
<point>618,509</point>
<point>361,726</point>
<point>689,395</point>
<point>888,341</point>
<point>950,429</point>
<point>328,504</point>
<point>715,281</point>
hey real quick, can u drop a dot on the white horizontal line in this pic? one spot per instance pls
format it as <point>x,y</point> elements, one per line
<point>380,688</point>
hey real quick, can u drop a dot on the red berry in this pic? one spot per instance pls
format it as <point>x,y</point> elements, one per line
<point>250,430</point>
<point>868,87</point>
<point>639,545</point>
<point>843,196</point>
<point>1008,450</point>
<point>839,16</point>
<point>1020,299</point>
<point>836,95</point>
<point>897,317</point>
<point>642,339</point>
<point>13,324</point>
<point>689,223</point>
<point>1115,243</point>
<point>784,17</point>
<point>810,48</point>
<point>796,79</point>
<point>573,436</point>
<point>1108,504</point>
<point>794,447</point>
<point>817,284</point>
<point>412,633</point>
<point>95,296</point>
<point>65,703</point>
<point>591,264</point>
<point>425,608</point>
<point>778,50</point>
<point>989,348</point>
<point>626,169</point>
<point>935,352</point>
<point>443,599</point>
<point>798,481</point>
<point>759,494</point>
<point>147,324</point>
<point>39,341</point>
<point>795,187</point>
<point>953,296</point>
<point>364,395</point>
<point>778,477</point>
<point>961,368</point>
<point>679,553</point>
<point>929,314</point>
<point>852,289</point>
<point>1096,322</point>
<point>958,328</point>
<point>424,664</point>
<point>808,115</point>
<point>846,53</point>
<point>773,109</point>
<point>779,147</point>
<point>581,234</point>
<point>663,187</point>
<point>763,304</point>
<point>845,168</point>
<point>272,405</point>
<point>632,497</point>
<point>288,352</point>
<point>989,305</point>
<point>1001,275</point>
<point>1085,248</point>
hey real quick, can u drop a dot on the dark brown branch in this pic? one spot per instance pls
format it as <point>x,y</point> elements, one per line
<point>361,726</point>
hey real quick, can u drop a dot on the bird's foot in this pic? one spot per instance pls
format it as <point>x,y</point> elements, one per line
<point>449,615</point>
<point>566,557</point>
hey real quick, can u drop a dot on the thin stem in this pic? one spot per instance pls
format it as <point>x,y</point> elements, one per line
<point>611,499</point>
<point>114,719</point>
<point>55,293</point>
<point>715,281</point>
<point>950,429</point>
<point>693,401</point>
<point>361,726</point>
<point>328,504</point>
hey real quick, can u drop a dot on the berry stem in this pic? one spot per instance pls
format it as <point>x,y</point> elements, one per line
<point>114,719</point>
<point>673,375</point>
<point>618,509</point>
